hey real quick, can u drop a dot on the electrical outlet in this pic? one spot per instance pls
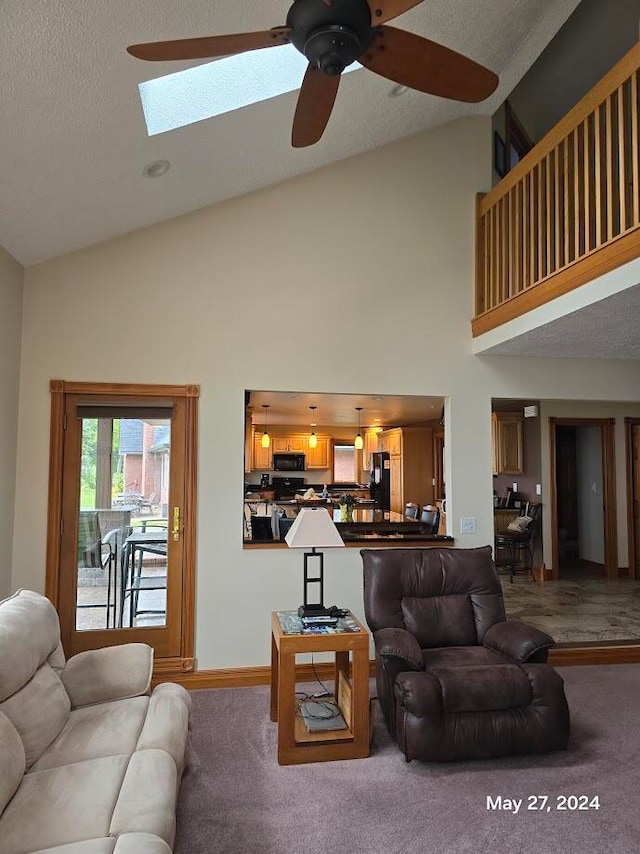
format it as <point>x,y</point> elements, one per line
<point>467,524</point>
<point>515,486</point>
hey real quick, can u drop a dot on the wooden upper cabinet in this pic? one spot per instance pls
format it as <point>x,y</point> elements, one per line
<point>320,457</point>
<point>289,444</point>
<point>370,447</point>
<point>261,456</point>
<point>507,442</point>
<point>394,445</point>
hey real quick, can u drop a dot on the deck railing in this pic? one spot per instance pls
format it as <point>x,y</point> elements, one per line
<point>570,210</point>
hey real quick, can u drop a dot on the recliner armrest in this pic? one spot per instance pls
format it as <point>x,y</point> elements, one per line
<point>400,644</point>
<point>110,673</point>
<point>518,641</point>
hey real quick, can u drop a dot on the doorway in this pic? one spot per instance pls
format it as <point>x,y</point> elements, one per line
<point>632,435</point>
<point>583,515</point>
<point>121,532</point>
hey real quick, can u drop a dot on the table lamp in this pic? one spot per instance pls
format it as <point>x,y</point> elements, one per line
<point>313,528</point>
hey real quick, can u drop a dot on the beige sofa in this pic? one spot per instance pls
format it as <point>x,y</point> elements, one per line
<point>90,760</point>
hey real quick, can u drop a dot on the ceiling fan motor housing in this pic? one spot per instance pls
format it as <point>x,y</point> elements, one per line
<point>331,37</point>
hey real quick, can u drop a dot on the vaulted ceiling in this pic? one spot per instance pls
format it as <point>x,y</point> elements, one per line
<point>73,143</point>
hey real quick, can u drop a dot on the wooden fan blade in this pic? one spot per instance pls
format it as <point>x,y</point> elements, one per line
<point>315,102</point>
<point>428,67</point>
<point>209,46</point>
<point>384,10</point>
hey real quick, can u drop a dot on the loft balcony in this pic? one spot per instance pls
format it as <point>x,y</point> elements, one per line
<point>567,215</point>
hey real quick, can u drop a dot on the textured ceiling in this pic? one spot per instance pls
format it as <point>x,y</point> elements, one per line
<point>340,409</point>
<point>608,329</point>
<point>73,142</point>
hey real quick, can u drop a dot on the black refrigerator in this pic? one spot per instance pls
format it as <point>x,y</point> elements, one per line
<point>380,480</point>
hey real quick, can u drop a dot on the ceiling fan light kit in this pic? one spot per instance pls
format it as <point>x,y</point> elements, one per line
<point>332,35</point>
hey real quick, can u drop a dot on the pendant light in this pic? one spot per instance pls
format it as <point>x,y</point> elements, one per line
<point>266,438</point>
<point>359,442</point>
<point>313,439</point>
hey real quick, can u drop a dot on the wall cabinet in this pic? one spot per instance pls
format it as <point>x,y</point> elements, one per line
<point>289,444</point>
<point>320,457</point>
<point>411,465</point>
<point>370,447</point>
<point>261,456</point>
<point>507,442</point>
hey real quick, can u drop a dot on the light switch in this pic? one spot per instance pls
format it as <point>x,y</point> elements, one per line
<point>515,486</point>
<point>467,524</point>
<point>538,489</point>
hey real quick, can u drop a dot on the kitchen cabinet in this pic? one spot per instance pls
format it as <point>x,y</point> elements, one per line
<point>394,441</point>
<point>411,465</point>
<point>289,444</point>
<point>261,456</point>
<point>507,442</point>
<point>370,447</point>
<point>320,457</point>
<point>395,465</point>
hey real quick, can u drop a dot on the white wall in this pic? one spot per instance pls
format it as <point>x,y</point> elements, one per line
<point>382,242</point>
<point>11,276</point>
<point>589,486</point>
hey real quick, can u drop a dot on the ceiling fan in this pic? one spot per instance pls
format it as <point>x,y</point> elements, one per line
<point>332,34</point>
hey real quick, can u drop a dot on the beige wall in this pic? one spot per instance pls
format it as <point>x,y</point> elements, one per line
<point>11,276</point>
<point>373,256</point>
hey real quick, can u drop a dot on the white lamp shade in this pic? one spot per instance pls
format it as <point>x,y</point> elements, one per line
<point>313,528</point>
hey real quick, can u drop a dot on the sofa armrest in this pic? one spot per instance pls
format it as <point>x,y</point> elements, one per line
<point>111,673</point>
<point>518,641</point>
<point>399,644</point>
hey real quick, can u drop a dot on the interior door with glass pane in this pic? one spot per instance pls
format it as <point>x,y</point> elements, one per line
<point>121,554</point>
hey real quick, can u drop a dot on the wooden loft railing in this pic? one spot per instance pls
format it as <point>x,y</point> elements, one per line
<point>569,211</point>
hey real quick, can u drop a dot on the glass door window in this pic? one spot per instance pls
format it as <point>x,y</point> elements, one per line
<point>123,522</point>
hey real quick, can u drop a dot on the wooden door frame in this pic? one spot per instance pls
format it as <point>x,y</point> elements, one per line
<point>607,436</point>
<point>631,539</point>
<point>59,389</point>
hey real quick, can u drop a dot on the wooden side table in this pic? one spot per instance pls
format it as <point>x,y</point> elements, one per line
<point>295,744</point>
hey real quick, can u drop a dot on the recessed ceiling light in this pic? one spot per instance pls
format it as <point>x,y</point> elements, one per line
<point>156,169</point>
<point>377,419</point>
<point>398,90</point>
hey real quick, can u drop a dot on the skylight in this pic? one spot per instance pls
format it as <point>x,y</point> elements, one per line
<point>189,96</point>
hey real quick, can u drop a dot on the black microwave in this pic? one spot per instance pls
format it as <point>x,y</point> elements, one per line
<point>288,462</point>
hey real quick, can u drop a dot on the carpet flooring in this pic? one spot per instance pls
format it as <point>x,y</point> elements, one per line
<point>236,799</point>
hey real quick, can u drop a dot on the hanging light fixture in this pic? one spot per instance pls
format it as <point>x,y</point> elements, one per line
<point>266,438</point>
<point>359,442</point>
<point>313,439</point>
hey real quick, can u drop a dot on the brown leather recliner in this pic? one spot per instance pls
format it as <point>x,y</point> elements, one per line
<point>456,680</point>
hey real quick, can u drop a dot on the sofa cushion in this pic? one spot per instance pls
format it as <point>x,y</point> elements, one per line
<point>460,656</point>
<point>29,634</point>
<point>147,800</point>
<point>88,846</point>
<point>141,843</point>
<point>128,843</point>
<point>110,673</point>
<point>109,729</point>
<point>440,620</point>
<point>167,723</point>
<point>483,688</point>
<point>38,711</point>
<point>64,805</point>
<point>12,760</point>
